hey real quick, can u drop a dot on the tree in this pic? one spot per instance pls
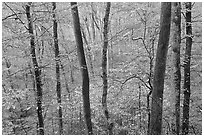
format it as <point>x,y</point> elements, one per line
<point>159,70</point>
<point>83,67</point>
<point>176,28</point>
<point>105,69</point>
<point>92,22</point>
<point>187,62</point>
<point>57,60</point>
<point>37,70</point>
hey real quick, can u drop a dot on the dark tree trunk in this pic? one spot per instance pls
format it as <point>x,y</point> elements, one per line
<point>150,88</point>
<point>36,70</point>
<point>83,67</point>
<point>186,102</point>
<point>176,28</point>
<point>148,112</point>
<point>104,68</point>
<point>57,60</point>
<point>159,70</point>
<point>151,58</point>
<point>65,79</point>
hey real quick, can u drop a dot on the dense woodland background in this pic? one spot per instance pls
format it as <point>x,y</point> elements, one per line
<point>133,33</point>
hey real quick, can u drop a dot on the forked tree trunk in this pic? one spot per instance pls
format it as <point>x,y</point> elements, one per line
<point>36,70</point>
<point>105,70</point>
<point>176,28</point>
<point>187,61</point>
<point>57,60</point>
<point>83,67</point>
<point>159,70</point>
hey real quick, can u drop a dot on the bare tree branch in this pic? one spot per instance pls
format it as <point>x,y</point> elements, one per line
<point>137,77</point>
<point>11,16</point>
<point>15,14</point>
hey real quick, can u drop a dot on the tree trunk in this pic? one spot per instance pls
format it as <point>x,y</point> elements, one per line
<point>186,102</point>
<point>57,60</point>
<point>66,81</point>
<point>83,67</point>
<point>139,105</point>
<point>88,51</point>
<point>37,71</point>
<point>92,23</point>
<point>151,58</point>
<point>159,70</point>
<point>176,28</point>
<point>104,68</point>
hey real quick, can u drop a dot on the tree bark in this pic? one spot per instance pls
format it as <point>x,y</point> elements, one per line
<point>159,70</point>
<point>104,68</point>
<point>57,60</point>
<point>92,23</point>
<point>37,71</point>
<point>83,67</point>
<point>89,50</point>
<point>176,28</point>
<point>139,105</point>
<point>187,61</point>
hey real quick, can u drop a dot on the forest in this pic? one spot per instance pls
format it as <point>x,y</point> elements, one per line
<point>101,68</point>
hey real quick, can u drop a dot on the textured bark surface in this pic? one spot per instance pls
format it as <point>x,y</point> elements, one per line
<point>187,61</point>
<point>57,60</point>
<point>159,70</point>
<point>104,67</point>
<point>176,30</point>
<point>37,71</point>
<point>83,67</point>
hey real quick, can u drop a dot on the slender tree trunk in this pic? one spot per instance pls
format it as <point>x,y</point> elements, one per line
<point>176,28</point>
<point>57,60</point>
<point>148,112</point>
<point>139,105</point>
<point>83,67</point>
<point>92,23</point>
<point>186,102</point>
<point>104,68</point>
<point>53,127</point>
<point>84,36</point>
<point>37,71</point>
<point>151,88</point>
<point>87,28</point>
<point>33,88</point>
<point>159,70</point>
<point>65,79</point>
<point>89,51</point>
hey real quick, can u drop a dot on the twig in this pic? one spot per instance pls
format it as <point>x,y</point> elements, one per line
<point>192,4</point>
<point>10,16</point>
<point>15,14</point>
<point>143,42</point>
<point>137,77</point>
<point>183,15</point>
